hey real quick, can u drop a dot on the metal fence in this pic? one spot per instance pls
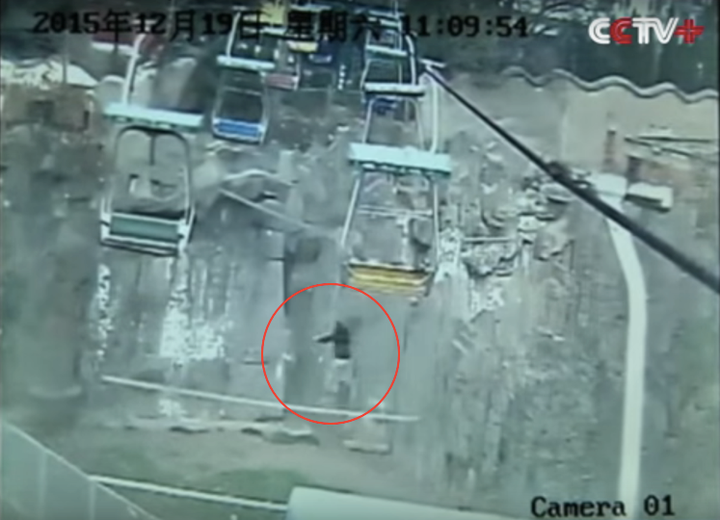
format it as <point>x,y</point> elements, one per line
<point>40,485</point>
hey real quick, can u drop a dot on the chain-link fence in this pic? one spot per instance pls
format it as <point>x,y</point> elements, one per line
<point>40,485</point>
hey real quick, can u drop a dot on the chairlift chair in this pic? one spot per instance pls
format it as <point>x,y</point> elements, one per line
<point>125,111</point>
<point>149,223</point>
<point>240,113</point>
<point>412,274</point>
<point>256,53</point>
<point>287,70</point>
<point>317,49</point>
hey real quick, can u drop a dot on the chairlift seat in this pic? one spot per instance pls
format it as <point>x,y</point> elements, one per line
<point>388,279</point>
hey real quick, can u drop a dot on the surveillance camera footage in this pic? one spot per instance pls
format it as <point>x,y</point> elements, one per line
<point>359,260</point>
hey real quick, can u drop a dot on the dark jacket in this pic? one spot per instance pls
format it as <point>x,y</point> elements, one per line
<point>340,338</point>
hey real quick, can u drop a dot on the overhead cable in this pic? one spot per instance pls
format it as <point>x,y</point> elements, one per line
<point>562,175</point>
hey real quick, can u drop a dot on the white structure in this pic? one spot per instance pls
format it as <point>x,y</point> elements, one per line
<point>657,197</point>
<point>45,75</point>
<point>316,504</point>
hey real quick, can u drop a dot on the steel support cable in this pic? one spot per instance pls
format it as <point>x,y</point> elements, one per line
<point>561,174</point>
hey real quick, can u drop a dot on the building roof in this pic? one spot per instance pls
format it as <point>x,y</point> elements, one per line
<point>44,74</point>
<point>660,195</point>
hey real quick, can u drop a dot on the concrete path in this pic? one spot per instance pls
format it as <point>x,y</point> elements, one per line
<point>634,391</point>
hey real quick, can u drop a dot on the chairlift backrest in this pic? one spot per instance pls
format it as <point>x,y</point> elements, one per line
<point>153,118</point>
<point>385,71</point>
<point>242,80</point>
<point>153,132</point>
<point>399,161</point>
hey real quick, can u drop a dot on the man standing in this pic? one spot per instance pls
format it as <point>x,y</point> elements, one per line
<point>339,380</point>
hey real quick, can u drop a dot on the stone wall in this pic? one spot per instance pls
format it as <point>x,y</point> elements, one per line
<point>568,118</point>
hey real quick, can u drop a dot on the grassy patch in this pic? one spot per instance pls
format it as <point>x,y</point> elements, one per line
<point>131,463</point>
<point>128,461</point>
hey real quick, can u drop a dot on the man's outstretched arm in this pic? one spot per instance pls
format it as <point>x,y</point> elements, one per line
<point>328,337</point>
<point>325,338</point>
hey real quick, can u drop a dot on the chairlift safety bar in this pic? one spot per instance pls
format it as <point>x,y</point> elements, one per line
<point>390,268</point>
<point>394,212</point>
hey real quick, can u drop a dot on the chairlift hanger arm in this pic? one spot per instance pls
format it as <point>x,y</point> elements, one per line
<point>560,174</point>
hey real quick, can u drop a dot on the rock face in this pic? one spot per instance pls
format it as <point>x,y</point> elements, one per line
<point>170,87</point>
<point>551,240</point>
<point>422,232</point>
